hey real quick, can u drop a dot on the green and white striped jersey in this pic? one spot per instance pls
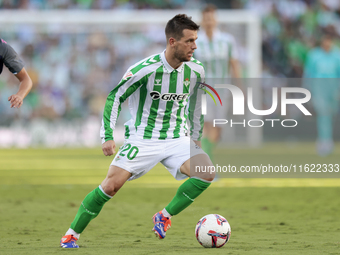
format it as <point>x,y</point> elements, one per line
<point>215,54</point>
<point>161,99</point>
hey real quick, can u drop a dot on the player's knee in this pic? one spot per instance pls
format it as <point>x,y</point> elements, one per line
<point>206,175</point>
<point>110,187</point>
<point>209,176</point>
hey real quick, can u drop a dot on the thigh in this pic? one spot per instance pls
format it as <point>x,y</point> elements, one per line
<point>199,166</point>
<point>115,179</point>
<point>138,156</point>
<point>179,151</point>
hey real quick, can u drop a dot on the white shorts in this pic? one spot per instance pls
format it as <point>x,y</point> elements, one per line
<point>139,156</point>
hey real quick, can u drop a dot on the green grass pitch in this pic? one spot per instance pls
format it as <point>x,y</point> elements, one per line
<point>41,190</point>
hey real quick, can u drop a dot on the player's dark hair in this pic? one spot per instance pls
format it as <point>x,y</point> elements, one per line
<point>209,8</point>
<point>174,28</point>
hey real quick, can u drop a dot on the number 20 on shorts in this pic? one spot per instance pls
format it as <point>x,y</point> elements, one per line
<point>130,152</point>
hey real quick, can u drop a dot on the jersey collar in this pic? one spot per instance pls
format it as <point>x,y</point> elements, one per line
<point>168,68</point>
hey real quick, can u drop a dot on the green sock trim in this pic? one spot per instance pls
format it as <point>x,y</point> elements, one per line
<point>89,209</point>
<point>186,194</point>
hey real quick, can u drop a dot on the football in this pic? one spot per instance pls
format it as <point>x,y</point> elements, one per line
<point>212,231</point>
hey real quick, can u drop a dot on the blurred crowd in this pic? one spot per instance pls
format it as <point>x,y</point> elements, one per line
<point>95,4</point>
<point>72,75</point>
<point>74,72</point>
<point>290,28</point>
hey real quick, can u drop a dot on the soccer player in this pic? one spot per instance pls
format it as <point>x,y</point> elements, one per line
<point>218,53</point>
<point>163,94</point>
<point>323,64</point>
<point>12,61</point>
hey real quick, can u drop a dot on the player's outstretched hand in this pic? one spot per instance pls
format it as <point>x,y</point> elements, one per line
<point>109,148</point>
<point>15,101</point>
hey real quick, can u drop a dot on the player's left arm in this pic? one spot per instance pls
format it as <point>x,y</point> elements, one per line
<point>25,86</point>
<point>195,116</point>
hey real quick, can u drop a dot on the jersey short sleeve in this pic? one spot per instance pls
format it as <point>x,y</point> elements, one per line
<point>9,58</point>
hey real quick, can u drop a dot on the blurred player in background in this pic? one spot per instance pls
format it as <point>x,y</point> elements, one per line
<point>163,95</point>
<point>12,61</point>
<point>218,53</point>
<point>323,64</point>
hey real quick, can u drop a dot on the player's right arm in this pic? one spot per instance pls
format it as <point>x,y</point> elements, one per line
<point>136,76</point>
<point>108,148</point>
<point>112,108</point>
<point>127,86</point>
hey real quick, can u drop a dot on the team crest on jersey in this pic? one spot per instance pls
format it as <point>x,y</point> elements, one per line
<point>186,82</point>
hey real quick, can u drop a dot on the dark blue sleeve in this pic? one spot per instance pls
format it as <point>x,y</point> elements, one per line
<point>10,58</point>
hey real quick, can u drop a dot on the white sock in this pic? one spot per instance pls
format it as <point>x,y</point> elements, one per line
<point>166,214</point>
<point>70,231</point>
<point>100,187</point>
